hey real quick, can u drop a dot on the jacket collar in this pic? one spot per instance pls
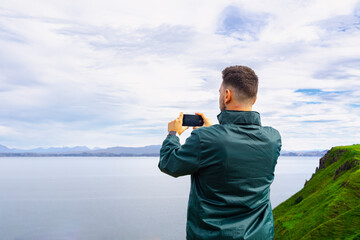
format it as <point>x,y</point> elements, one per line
<point>239,117</point>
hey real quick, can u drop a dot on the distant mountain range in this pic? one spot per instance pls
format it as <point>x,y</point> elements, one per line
<point>151,150</point>
<point>312,153</point>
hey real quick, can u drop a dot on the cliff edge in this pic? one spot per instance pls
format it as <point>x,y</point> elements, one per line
<point>328,207</point>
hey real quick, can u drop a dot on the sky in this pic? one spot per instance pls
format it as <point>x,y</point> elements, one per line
<point>114,73</point>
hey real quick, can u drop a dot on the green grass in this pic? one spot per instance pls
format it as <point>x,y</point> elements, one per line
<point>328,207</point>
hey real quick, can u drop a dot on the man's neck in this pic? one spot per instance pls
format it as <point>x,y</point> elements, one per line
<point>239,108</point>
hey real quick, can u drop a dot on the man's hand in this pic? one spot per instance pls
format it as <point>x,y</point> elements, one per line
<point>176,125</point>
<point>207,121</point>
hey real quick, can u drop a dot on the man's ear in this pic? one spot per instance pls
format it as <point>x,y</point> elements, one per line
<point>254,100</point>
<point>228,95</point>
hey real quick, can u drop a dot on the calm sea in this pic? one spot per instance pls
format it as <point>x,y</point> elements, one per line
<point>96,198</point>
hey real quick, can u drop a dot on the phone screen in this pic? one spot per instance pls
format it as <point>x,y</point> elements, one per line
<point>192,120</point>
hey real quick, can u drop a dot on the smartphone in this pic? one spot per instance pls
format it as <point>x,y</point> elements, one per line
<point>192,120</point>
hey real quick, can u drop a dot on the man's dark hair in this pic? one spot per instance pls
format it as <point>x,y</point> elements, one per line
<point>243,79</point>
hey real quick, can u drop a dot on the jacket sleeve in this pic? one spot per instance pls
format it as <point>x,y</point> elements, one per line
<point>278,147</point>
<point>178,160</point>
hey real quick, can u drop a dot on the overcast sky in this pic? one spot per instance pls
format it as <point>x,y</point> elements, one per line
<point>114,73</point>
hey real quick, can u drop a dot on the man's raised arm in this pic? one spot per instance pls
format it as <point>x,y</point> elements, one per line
<point>176,159</point>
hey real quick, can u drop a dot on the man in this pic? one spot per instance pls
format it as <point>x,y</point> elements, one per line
<point>231,165</point>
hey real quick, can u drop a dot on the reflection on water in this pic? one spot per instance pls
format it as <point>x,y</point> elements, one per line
<point>108,198</point>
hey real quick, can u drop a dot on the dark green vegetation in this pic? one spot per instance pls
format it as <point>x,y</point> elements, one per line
<point>328,207</point>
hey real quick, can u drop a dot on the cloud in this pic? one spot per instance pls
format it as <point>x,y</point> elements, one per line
<point>114,73</point>
<point>341,23</point>
<point>340,69</point>
<point>161,40</point>
<point>241,24</point>
<point>8,35</point>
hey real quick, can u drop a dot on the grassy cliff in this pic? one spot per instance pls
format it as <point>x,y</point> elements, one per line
<point>328,207</point>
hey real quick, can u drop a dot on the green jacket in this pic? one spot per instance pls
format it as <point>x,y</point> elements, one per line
<point>232,167</point>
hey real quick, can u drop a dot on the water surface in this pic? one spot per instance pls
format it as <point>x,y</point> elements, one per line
<point>92,198</point>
